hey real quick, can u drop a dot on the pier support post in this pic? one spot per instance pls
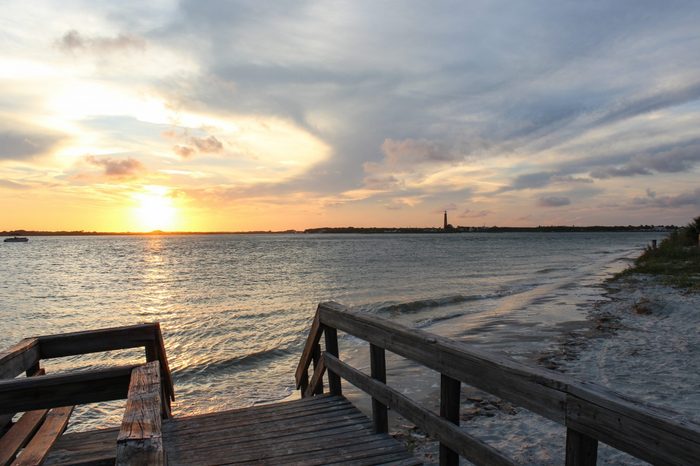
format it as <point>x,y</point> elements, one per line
<point>316,357</point>
<point>332,348</point>
<point>377,361</point>
<point>581,450</point>
<point>449,409</point>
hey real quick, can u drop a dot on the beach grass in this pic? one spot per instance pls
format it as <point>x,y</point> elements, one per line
<point>676,260</point>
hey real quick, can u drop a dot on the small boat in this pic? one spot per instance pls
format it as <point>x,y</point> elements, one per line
<point>16,239</point>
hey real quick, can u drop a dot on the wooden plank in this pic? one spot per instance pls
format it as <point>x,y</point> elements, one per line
<point>449,410</point>
<point>19,435</point>
<point>57,390</point>
<point>140,440</point>
<point>6,419</point>
<point>316,358</point>
<point>292,424</point>
<point>18,358</point>
<point>377,361</point>
<point>96,447</point>
<point>643,436</point>
<point>306,355</point>
<point>259,412</point>
<point>94,341</point>
<point>534,388</point>
<point>316,379</point>
<point>263,440</point>
<point>39,446</point>
<point>581,450</point>
<point>446,432</point>
<point>164,366</point>
<point>334,385</point>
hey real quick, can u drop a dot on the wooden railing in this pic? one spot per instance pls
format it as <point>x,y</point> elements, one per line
<point>589,412</point>
<point>87,386</point>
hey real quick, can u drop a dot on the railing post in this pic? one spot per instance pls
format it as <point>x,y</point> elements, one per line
<point>581,450</point>
<point>316,356</point>
<point>449,409</point>
<point>332,348</point>
<point>377,362</point>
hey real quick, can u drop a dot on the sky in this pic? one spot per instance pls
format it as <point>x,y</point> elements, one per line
<point>247,115</point>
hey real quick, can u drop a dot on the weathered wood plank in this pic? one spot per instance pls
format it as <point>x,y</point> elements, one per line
<point>57,390</point>
<point>641,434</point>
<point>469,447</point>
<point>316,379</point>
<point>449,410</point>
<point>307,354</point>
<point>263,440</point>
<point>18,358</point>
<point>19,435</point>
<point>94,341</point>
<point>95,447</point>
<point>377,360</point>
<point>286,426</point>
<point>39,446</point>
<point>140,440</point>
<point>331,334</point>
<point>258,412</point>
<point>581,450</point>
<point>534,388</point>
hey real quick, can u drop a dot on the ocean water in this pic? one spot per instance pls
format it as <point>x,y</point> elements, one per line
<point>235,309</point>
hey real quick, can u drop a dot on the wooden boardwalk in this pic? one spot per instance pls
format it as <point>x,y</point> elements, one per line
<point>312,431</point>
<point>319,428</point>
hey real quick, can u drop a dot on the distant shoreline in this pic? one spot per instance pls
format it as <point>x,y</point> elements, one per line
<point>362,230</point>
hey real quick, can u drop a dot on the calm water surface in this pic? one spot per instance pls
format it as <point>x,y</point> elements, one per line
<point>235,309</point>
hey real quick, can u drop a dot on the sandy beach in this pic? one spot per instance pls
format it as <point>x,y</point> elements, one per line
<point>641,340</point>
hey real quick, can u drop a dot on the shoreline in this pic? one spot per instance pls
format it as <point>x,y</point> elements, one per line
<point>623,345</point>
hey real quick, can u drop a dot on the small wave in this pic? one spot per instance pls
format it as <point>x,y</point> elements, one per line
<point>393,307</point>
<point>223,365</point>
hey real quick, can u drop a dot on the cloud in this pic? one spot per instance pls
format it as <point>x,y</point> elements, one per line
<point>553,201</point>
<point>474,214</point>
<point>16,145</point>
<point>210,144</point>
<point>183,151</point>
<point>409,152</point>
<point>663,160</point>
<point>121,169</point>
<point>13,185</point>
<point>73,41</point>
<point>691,198</point>
<point>542,179</point>
<point>195,144</point>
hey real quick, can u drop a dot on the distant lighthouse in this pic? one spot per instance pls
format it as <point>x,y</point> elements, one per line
<point>444,223</point>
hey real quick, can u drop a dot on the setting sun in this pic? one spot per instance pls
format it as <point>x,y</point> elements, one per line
<point>155,209</point>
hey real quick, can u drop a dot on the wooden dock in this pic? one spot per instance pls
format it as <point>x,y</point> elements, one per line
<point>313,431</point>
<point>320,428</point>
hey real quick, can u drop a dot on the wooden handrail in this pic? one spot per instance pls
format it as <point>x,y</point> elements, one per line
<point>140,440</point>
<point>25,355</point>
<point>591,413</point>
<point>56,390</point>
<point>19,358</point>
<point>312,341</point>
<point>470,447</point>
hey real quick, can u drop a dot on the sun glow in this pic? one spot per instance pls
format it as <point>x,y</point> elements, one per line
<point>155,209</point>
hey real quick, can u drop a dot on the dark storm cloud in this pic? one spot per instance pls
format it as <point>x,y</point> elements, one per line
<point>17,145</point>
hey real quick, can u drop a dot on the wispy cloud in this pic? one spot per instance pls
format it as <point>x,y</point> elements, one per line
<point>74,41</point>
